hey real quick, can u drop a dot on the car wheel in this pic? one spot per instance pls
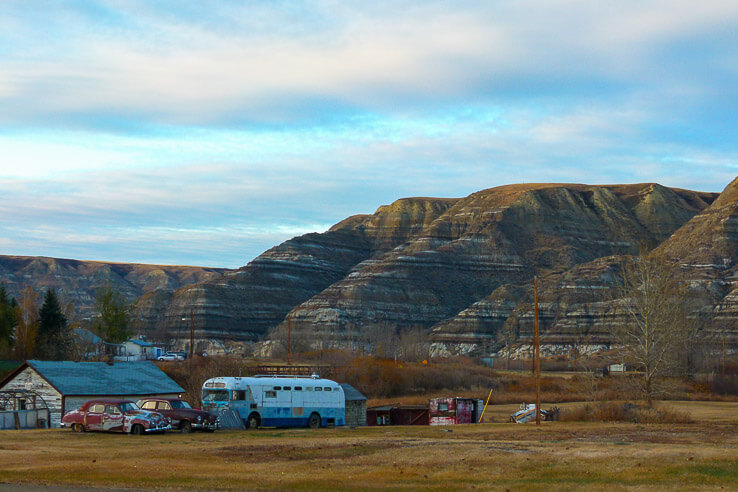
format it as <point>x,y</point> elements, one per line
<point>78,428</point>
<point>137,430</point>
<point>314,421</point>
<point>185,427</point>
<point>253,421</point>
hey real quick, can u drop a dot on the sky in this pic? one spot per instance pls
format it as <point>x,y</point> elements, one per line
<point>204,133</point>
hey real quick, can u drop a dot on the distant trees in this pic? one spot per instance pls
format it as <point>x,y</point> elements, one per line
<point>114,322</point>
<point>8,320</point>
<point>54,338</point>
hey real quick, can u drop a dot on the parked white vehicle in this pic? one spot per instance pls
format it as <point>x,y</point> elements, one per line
<point>170,356</point>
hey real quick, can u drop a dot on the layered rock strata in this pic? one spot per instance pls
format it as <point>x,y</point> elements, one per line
<point>77,282</point>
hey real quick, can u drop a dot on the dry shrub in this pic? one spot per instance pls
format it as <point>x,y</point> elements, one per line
<point>381,378</point>
<point>725,385</point>
<point>624,412</point>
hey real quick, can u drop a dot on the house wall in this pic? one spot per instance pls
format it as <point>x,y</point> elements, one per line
<point>29,379</point>
<point>356,413</point>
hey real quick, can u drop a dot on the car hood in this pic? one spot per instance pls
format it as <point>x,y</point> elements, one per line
<point>146,414</point>
<point>191,412</point>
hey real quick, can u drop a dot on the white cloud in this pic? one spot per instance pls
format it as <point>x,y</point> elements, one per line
<point>222,129</point>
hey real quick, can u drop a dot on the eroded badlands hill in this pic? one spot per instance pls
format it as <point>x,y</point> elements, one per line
<point>452,267</point>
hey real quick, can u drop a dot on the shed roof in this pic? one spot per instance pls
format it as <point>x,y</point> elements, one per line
<point>142,343</point>
<point>351,393</point>
<point>87,336</point>
<point>101,378</point>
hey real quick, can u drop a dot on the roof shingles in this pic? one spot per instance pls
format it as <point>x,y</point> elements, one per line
<point>101,378</point>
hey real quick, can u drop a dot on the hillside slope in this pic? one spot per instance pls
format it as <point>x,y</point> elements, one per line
<point>419,262</point>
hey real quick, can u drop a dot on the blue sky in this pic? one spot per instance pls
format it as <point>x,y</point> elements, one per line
<point>203,133</point>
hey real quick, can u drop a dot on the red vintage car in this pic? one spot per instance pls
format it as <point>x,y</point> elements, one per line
<point>182,415</point>
<point>114,416</point>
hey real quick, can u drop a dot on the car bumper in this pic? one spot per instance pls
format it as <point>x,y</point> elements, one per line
<point>205,425</point>
<point>159,429</point>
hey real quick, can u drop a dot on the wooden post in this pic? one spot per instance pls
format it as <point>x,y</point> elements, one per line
<point>485,406</point>
<point>537,354</point>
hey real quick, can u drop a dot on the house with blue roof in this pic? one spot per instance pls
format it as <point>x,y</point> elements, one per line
<point>139,349</point>
<point>66,385</point>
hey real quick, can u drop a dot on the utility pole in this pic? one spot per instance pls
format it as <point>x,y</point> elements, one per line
<point>537,354</point>
<point>192,336</point>
<point>289,341</point>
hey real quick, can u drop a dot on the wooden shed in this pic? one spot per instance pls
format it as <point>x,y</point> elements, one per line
<point>66,385</point>
<point>355,406</point>
<point>455,410</point>
<point>397,415</point>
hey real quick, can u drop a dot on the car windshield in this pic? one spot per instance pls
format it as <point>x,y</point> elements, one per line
<point>128,407</point>
<point>215,395</point>
<point>180,404</point>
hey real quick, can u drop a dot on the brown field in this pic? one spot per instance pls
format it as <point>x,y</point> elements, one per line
<point>556,455</point>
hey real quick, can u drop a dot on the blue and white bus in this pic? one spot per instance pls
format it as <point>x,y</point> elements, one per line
<point>277,401</point>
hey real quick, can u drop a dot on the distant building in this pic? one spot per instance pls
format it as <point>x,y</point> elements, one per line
<point>137,349</point>
<point>64,386</point>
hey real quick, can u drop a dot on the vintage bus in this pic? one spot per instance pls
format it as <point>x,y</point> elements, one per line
<point>277,401</point>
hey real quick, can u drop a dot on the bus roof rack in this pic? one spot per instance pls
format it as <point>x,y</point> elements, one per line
<point>291,376</point>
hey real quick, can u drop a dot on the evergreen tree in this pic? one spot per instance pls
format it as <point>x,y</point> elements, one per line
<point>114,323</point>
<point>54,339</point>
<point>7,319</point>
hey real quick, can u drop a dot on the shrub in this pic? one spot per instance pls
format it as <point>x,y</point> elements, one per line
<point>724,385</point>
<point>624,412</point>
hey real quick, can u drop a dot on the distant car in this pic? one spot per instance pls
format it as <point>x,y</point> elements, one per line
<point>170,356</point>
<point>114,415</point>
<point>181,414</point>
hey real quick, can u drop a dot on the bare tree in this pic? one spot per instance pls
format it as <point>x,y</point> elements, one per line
<point>654,302</point>
<point>26,330</point>
<point>413,344</point>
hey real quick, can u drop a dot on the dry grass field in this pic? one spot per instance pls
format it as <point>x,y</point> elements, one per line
<point>556,455</point>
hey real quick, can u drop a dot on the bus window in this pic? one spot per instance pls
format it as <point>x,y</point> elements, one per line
<point>270,394</point>
<point>298,388</point>
<point>277,388</point>
<point>286,388</point>
<point>318,388</point>
<point>239,395</point>
<point>327,388</point>
<point>308,388</point>
<point>214,395</point>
